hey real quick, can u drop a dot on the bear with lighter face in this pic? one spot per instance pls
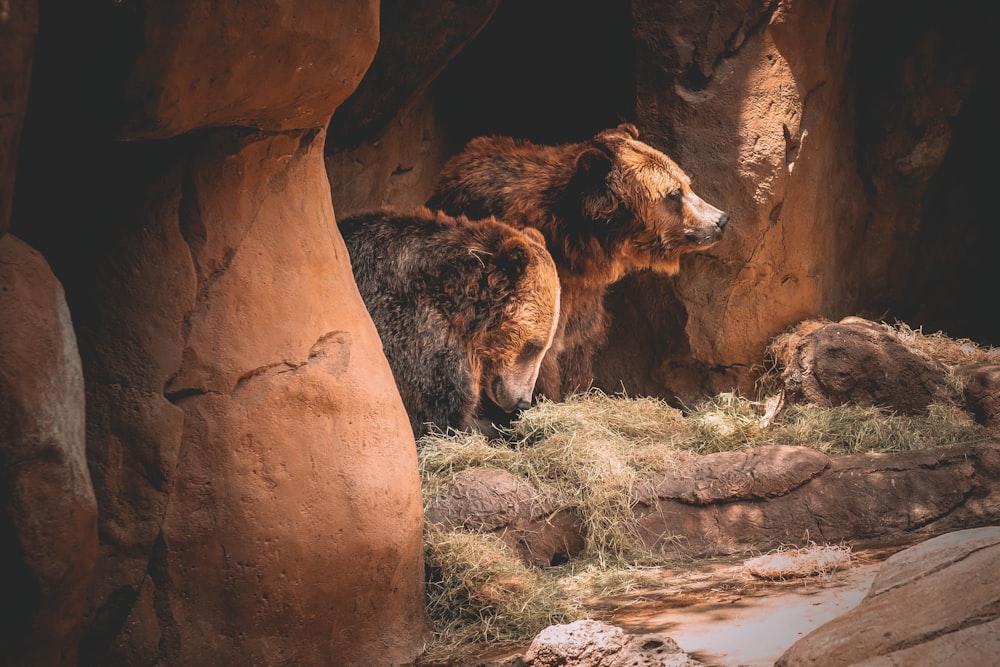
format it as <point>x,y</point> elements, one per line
<point>464,309</point>
<point>607,207</point>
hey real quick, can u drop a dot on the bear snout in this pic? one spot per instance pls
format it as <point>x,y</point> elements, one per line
<point>507,397</point>
<point>722,221</point>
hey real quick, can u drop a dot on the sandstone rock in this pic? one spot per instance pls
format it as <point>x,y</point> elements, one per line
<point>519,513</point>
<point>489,498</point>
<point>48,515</point>
<point>18,28</point>
<point>857,362</point>
<point>712,505</point>
<point>754,474</point>
<point>269,65</point>
<point>589,643</point>
<point>863,496</point>
<point>947,587</point>
<point>416,41</point>
<point>254,466</point>
<point>982,391</point>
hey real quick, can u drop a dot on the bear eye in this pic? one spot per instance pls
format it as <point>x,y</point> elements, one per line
<point>531,349</point>
<point>675,194</point>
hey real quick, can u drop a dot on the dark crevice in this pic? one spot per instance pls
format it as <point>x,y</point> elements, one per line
<point>170,637</point>
<point>280,367</point>
<point>176,397</point>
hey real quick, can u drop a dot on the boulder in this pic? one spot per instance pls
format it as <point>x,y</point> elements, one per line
<point>858,362</point>
<point>254,470</point>
<point>48,514</point>
<point>491,500</point>
<point>947,587</point>
<point>590,643</point>
<point>982,392</point>
<point>894,496</point>
<point>270,65</point>
<point>18,29</point>
<point>252,459</point>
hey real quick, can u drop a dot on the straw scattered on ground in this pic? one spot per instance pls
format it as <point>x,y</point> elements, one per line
<point>591,450</point>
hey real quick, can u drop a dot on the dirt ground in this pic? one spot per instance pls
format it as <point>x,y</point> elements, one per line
<point>733,621</point>
<point>723,616</point>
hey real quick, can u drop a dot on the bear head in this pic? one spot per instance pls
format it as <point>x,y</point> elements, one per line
<point>508,310</point>
<point>642,202</point>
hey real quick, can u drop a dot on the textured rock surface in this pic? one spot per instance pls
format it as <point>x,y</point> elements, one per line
<point>762,103</point>
<point>857,362</point>
<point>857,497</point>
<point>269,65</point>
<point>48,515</point>
<point>948,587</point>
<point>712,505</point>
<point>982,391</point>
<point>253,466</point>
<point>591,643</point>
<point>755,474</point>
<point>257,481</point>
<point>518,512</point>
<point>18,28</point>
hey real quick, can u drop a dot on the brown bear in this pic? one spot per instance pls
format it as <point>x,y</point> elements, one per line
<point>607,206</point>
<point>464,309</point>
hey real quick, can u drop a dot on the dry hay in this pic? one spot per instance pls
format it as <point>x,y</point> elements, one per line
<point>953,353</point>
<point>592,449</point>
<point>480,591</point>
<point>949,351</point>
<point>808,561</point>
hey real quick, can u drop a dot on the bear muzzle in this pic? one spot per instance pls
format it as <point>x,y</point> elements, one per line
<point>707,223</point>
<point>509,398</point>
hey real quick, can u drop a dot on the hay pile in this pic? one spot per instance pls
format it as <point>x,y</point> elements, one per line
<point>807,561</point>
<point>591,450</point>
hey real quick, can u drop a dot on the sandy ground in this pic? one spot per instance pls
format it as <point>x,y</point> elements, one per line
<point>721,615</point>
<point>753,628</point>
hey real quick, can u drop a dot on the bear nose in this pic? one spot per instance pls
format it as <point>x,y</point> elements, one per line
<point>722,221</point>
<point>523,404</point>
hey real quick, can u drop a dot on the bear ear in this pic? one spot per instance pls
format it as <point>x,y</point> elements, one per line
<point>591,181</point>
<point>629,129</point>
<point>534,235</point>
<point>507,265</point>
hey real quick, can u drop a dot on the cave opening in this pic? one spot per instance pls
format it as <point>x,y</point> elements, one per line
<point>552,72</point>
<point>923,136</point>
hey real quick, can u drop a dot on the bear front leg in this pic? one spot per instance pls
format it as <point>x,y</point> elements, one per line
<point>576,364</point>
<point>549,382</point>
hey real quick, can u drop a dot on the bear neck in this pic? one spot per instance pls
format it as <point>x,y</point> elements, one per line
<point>583,248</point>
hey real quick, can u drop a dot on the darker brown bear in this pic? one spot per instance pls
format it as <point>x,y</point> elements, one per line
<point>607,206</point>
<point>463,309</point>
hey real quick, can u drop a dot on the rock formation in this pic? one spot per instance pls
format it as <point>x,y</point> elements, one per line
<point>254,475</point>
<point>837,134</point>
<point>48,515</point>
<point>953,610</point>
<point>253,467</point>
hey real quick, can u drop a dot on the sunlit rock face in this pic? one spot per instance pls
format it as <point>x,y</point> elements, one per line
<point>254,470</point>
<point>843,139</point>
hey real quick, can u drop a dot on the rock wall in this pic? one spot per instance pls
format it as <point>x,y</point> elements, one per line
<point>253,472</point>
<point>18,30</point>
<point>48,515</point>
<point>253,467</point>
<point>840,136</point>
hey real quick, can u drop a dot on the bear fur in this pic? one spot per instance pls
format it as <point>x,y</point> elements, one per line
<point>607,207</point>
<point>464,309</point>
